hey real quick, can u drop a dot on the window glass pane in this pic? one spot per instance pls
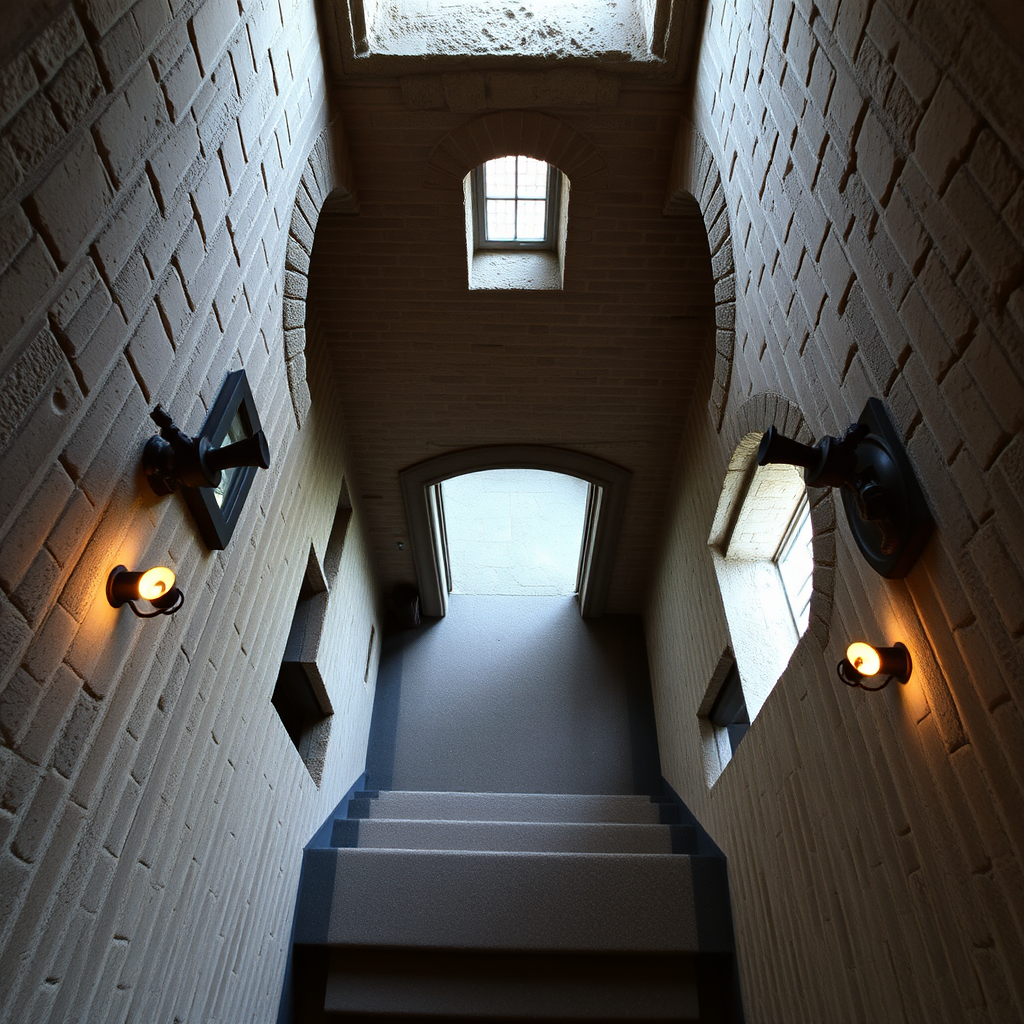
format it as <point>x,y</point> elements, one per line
<point>500,178</point>
<point>532,178</point>
<point>501,220</point>
<point>530,216</point>
<point>796,566</point>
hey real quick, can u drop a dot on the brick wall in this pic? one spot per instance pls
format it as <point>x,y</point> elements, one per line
<point>153,809</point>
<point>871,157</point>
<point>426,364</point>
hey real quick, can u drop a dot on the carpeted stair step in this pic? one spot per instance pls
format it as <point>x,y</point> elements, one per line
<point>540,837</point>
<point>460,984</point>
<point>549,807</point>
<point>586,902</point>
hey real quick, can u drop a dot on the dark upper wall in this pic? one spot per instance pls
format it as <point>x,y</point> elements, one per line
<point>426,365</point>
<point>871,155</point>
<point>153,809</point>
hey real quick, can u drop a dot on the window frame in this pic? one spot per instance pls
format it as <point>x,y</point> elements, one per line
<point>552,196</point>
<point>801,514</point>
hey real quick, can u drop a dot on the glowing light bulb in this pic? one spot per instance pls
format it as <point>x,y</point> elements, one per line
<point>864,658</point>
<point>155,582</point>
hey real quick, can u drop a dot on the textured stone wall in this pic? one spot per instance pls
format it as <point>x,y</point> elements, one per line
<point>871,157</point>
<point>153,809</point>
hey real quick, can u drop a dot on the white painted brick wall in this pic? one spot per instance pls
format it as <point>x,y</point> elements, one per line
<point>152,803</point>
<point>874,841</point>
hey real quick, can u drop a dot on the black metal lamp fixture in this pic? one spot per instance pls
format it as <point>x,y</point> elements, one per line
<point>884,504</point>
<point>865,662</point>
<point>215,469</point>
<point>156,585</point>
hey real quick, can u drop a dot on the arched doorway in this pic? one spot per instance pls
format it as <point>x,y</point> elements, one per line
<point>424,510</point>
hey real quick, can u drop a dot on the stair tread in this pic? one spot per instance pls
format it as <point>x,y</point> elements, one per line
<point>564,987</point>
<point>513,900</point>
<point>449,834</point>
<point>549,807</point>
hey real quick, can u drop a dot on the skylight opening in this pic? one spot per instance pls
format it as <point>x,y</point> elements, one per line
<point>514,531</point>
<point>621,30</point>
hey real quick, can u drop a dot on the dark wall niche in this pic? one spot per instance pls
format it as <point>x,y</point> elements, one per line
<point>300,695</point>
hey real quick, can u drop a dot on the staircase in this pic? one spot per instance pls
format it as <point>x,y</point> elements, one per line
<point>512,906</point>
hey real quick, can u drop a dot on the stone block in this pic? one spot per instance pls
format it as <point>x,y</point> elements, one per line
<point>52,47</point>
<point>929,340</point>
<point>232,159</point>
<point>210,197</point>
<point>26,381</point>
<point>905,230</point>
<point>174,307</point>
<point>94,360</point>
<point>212,26</point>
<point>72,529</point>
<point>978,425</point>
<point>994,169</point>
<point>39,817</point>
<point>15,233</point>
<point>181,84</point>
<point>116,244</point>
<point>132,124</point>
<point>992,245</point>
<point>74,737</point>
<point>916,70</point>
<point>104,14</point>
<point>133,285</point>
<point>996,379</point>
<point>104,407</point>
<point>76,88</point>
<point>18,81</point>
<point>22,289</point>
<point>944,135</point>
<point>172,160</point>
<point>18,701</point>
<point>30,530</point>
<point>150,353</point>
<point>38,588</point>
<point>73,200</point>
<point>877,162</point>
<point>50,644</point>
<point>1001,574</point>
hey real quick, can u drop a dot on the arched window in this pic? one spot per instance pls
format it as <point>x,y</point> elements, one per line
<point>516,218</point>
<point>761,547</point>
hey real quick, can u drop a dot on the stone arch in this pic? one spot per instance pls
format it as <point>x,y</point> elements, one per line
<point>756,415</point>
<point>695,179</point>
<point>606,507</point>
<point>321,187</point>
<point>524,132</point>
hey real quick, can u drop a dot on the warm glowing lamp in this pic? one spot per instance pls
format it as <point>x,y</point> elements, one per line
<point>156,585</point>
<point>864,661</point>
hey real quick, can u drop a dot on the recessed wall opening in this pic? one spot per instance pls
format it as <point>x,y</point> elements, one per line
<point>761,546</point>
<point>517,215</point>
<point>612,30</point>
<point>514,531</point>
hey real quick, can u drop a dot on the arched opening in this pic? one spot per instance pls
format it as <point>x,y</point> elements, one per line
<point>514,532</point>
<point>424,506</point>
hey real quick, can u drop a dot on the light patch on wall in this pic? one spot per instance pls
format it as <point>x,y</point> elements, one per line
<point>762,517</point>
<point>514,531</point>
<point>614,30</point>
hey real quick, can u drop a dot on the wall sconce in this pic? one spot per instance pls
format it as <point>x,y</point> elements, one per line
<point>863,661</point>
<point>156,585</point>
<point>885,507</point>
<point>215,469</point>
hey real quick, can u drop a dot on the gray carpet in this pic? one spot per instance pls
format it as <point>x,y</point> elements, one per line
<point>515,694</point>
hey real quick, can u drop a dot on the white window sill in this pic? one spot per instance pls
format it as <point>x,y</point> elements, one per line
<point>539,271</point>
